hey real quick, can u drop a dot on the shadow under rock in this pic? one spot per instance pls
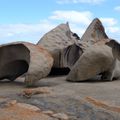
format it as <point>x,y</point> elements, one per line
<point>6,82</point>
<point>94,80</point>
<point>59,71</point>
<point>52,81</point>
<point>45,82</point>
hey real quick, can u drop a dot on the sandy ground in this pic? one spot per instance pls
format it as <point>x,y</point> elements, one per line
<point>89,100</point>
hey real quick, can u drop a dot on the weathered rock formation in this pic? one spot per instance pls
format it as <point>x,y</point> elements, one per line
<point>22,57</point>
<point>68,58</point>
<point>94,33</point>
<point>95,60</point>
<point>90,64</point>
<point>115,48</point>
<point>66,46</point>
<point>70,55</point>
<point>56,41</point>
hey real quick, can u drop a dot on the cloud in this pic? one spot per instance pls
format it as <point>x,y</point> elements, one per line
<point>113,32</point>
<point>83,17</point>
<point>31,32</point>
<point>109,21</point>
<point>111,27</point>
<point>77,28</point>
<point>117,8</point>
<point>78,20</point>
<point>80,1</point>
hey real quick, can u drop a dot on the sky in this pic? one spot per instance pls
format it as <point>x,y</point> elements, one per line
<point>29,20</point>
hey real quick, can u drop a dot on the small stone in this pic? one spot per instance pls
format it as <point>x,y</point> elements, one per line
<point>11,103</point>
<point>3,99</point>
<point>34,91</point>
<point>61,116</point>
<point>48,112</point>
<point>28,106</point>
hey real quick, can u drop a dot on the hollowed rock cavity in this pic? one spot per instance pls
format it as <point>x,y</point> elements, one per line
<point>26,58</point>
<point>14,61</point>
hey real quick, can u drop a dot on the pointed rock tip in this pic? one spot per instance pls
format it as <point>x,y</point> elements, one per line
<point>64,24</point>
<point>67,23</point>
<point>96,20</point>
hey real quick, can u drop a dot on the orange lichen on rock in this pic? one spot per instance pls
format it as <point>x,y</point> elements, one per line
<point>28,92</point>
<point>102,104</point>
<point>18,112</point>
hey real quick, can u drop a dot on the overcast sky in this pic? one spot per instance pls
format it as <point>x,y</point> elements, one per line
<point>29,20</point>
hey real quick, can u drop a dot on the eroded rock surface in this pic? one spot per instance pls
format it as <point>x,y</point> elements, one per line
<point>88,100</point>
<point>22,111</point>
<point>24,58</point>
<point>94,33</point>
<point>58,39</point>
<point>76,101</point>
<point>14,60</point>
<point>95,60</point>
<point>40,65</point>
<point>71,54</point>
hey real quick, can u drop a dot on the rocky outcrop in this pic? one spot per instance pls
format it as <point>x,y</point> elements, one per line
<point>57,99</point>
<point>95,60</point>
<point>115,48</point>
<point>90,63</point>
<point>19,58</point>
<point>40,65</point>
<point>62,43</point>
<point>56,41</point>
<point>94,33</point>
